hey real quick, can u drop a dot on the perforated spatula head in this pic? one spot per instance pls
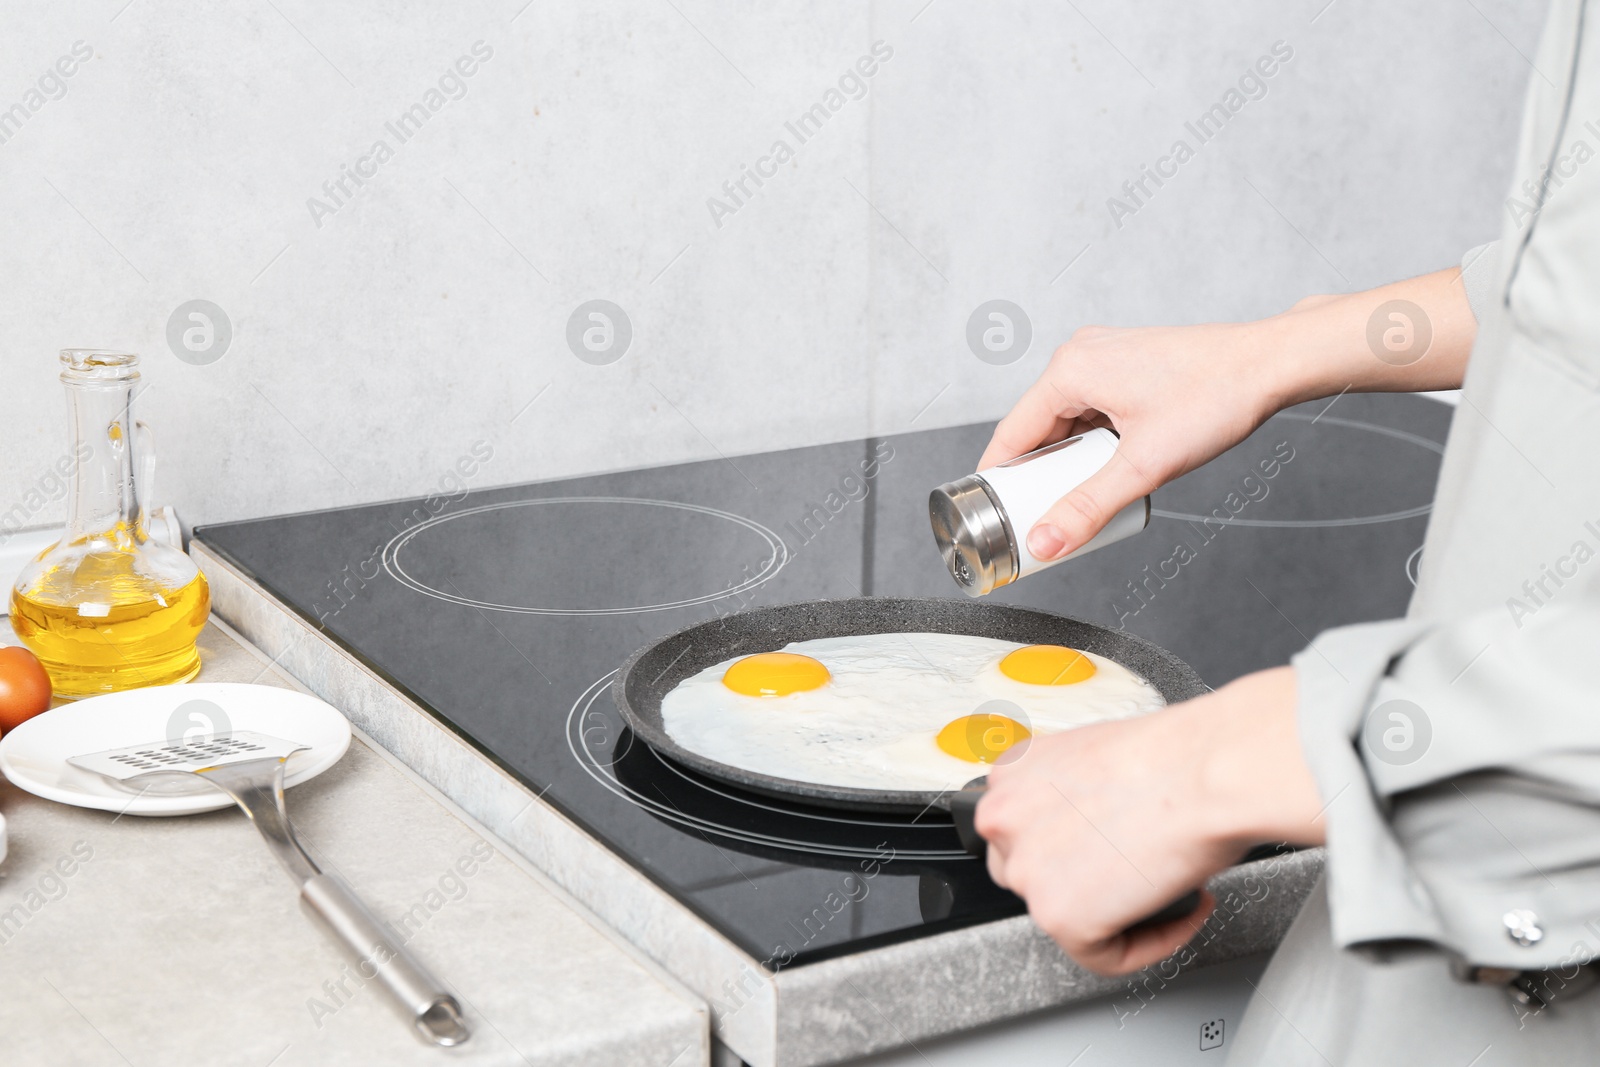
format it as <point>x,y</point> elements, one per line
<point>152,764</point>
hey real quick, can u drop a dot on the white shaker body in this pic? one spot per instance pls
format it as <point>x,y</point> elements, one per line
<point>1027,486</point>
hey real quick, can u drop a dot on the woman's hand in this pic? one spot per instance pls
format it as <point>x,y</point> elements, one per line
<point>1179,396</point>
<point>1182,395</point>
<point>1098,827</point>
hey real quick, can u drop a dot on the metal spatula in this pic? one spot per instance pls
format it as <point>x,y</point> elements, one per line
<point>249,768</point>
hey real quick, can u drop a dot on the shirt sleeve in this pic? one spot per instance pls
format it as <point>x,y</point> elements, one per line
<point>1480,270</point>
<point>1460,765</point>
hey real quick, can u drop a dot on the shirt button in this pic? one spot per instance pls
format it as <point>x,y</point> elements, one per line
<point>1522,926</point>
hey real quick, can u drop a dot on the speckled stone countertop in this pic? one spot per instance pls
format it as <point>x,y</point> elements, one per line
<point>181,940</point>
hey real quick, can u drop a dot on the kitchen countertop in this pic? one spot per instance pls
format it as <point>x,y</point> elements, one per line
<point>827,1012</point>
<point>181,940</point>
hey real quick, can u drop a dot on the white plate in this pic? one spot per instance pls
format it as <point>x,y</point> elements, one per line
<point>34,755</point>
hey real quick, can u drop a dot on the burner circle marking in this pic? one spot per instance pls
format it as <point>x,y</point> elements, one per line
<point>597,770</point>
<point>1360,520</point>
<point>774,563</point>
<point>1414,565</point>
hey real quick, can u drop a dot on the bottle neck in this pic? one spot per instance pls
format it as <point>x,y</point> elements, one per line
<point>104,499</point>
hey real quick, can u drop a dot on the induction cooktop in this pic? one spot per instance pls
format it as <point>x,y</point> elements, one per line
<point>506,612</point>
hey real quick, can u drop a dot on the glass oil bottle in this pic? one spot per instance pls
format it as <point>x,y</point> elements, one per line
<point>108,608</point>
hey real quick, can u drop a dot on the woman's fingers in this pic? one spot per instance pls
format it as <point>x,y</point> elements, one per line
<point>1043,415</point>
<point>1074,519</point>
<point>995,860</point>
<point>1023,430</point>
<point>1128,952</point>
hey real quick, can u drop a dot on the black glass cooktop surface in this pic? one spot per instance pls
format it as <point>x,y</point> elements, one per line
<point>505,612</point>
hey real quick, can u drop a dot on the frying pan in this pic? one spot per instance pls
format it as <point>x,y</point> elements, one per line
<point>655,670</point>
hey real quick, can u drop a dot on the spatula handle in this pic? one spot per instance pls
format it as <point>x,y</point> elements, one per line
<point>256,785</point>
<point>378,954</point>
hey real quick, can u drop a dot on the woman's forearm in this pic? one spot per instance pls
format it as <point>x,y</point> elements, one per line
<point>1181,395</point>
<point>1407,336</point>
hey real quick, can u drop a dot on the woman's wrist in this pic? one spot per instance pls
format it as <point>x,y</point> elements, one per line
<point>1284,360</point>
<point>1290,361</point>
<point>1254,784</point>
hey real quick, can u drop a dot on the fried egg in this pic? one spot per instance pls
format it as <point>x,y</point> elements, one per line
<point>902,711</point>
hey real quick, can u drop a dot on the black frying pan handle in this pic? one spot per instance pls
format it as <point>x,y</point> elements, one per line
<point>963,809</point>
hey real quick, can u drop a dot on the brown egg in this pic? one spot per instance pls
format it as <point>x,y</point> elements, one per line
<point>24,687</point>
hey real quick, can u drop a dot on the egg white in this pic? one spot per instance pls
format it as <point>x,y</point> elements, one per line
<point>874,724</point>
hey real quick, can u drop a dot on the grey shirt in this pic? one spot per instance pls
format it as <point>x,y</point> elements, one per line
<point>1458,749</point>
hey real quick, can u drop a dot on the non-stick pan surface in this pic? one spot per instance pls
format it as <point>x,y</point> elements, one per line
<point>654,671</point>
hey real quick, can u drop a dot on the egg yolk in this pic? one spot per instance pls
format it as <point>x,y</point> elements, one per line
<point>1047,665</point>
<point>981,738</point>
<point>775,674</point>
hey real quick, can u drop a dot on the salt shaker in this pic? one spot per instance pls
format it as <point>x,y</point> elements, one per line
<point>981,522</point>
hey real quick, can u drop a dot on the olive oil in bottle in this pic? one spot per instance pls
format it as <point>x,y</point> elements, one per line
<point>107,608</point>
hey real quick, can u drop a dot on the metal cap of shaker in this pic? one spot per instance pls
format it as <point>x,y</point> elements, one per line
<point>974,535</point>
